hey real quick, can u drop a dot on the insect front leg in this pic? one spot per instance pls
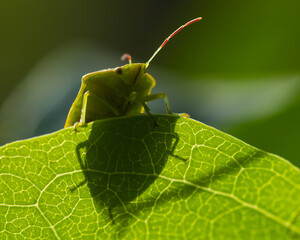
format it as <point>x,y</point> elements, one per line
<point>155,96</point>
<point>147,110</point>
<point>83,111</point>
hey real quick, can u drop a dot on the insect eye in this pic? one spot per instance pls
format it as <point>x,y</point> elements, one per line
<point>118,70</point>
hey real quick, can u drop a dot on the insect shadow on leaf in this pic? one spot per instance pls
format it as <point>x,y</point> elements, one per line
<point>121,159</point>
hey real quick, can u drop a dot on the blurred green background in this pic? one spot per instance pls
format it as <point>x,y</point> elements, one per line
<point>237,69</point>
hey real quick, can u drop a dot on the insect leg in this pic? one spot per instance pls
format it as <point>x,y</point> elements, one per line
<point>130,98</point>
<point>147,110</point>
<point>155,96</point>
<point>83,111</point>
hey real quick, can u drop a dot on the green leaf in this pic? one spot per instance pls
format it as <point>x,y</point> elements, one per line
<point>124,178</point>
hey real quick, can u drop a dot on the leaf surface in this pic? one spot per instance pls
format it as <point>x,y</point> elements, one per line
<point>123,178</point>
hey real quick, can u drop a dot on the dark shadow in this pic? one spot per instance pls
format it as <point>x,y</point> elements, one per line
<point>124,156</point>
<point>121,159</point>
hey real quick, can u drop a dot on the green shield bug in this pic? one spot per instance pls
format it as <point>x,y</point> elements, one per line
<point>122,91</point>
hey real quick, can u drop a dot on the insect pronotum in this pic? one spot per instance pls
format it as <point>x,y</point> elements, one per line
<point>122,91</point>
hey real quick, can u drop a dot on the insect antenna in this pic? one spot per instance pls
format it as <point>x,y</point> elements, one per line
<point>126,56</point>
<point>172,35</point>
